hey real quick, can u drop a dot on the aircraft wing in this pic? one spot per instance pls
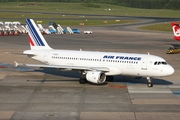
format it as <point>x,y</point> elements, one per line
<point>65,67</point>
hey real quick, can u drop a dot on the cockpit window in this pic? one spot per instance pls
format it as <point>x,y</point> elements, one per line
<point>164,63</point>
<point>160,63</point>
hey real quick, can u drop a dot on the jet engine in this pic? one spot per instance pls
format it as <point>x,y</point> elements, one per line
<point>95,77</point>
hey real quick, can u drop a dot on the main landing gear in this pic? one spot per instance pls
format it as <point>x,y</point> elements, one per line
<point>149,84</point>
<point>83,80</point>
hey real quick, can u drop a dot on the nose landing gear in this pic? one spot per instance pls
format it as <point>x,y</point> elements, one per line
<point>149,84</point>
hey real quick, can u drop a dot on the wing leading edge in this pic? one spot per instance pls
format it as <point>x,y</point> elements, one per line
<point>65,67</point>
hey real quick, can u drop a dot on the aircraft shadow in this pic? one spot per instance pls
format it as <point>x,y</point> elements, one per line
<point>119,78</point>
<point>57,72</point>
<point>143,80</point>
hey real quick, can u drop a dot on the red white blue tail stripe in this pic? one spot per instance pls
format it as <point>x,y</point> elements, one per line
<point>36,39</point>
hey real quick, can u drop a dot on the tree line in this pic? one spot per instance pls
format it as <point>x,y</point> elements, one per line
<point>146,4</point>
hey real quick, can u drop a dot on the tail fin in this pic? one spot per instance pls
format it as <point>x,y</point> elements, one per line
<point>36,39</point>
<point>176,30</point>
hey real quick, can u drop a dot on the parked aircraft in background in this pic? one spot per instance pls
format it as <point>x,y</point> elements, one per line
<point>95,67</point>
<point>176,30</point>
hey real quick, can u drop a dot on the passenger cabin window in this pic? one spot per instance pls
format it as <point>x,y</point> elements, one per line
<point>103,60</point>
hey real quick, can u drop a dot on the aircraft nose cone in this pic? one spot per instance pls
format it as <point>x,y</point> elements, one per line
<point>170,70</point>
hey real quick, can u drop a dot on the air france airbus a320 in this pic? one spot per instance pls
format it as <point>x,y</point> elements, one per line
<point>95,67</point>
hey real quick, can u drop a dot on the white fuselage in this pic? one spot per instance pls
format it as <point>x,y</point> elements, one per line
<point>118,63</point>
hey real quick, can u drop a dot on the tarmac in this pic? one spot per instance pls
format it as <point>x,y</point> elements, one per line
<point>50,94</point>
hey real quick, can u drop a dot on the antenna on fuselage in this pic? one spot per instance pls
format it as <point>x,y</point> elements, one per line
<point>148,53</point>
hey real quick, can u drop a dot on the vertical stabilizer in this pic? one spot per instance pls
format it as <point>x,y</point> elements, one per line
<point>176,30</point>
<point>36,39</point>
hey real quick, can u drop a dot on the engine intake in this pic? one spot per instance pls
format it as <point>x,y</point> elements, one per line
<point>96,77</point>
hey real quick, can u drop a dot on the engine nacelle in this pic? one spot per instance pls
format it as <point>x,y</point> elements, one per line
<point>95,77</point>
